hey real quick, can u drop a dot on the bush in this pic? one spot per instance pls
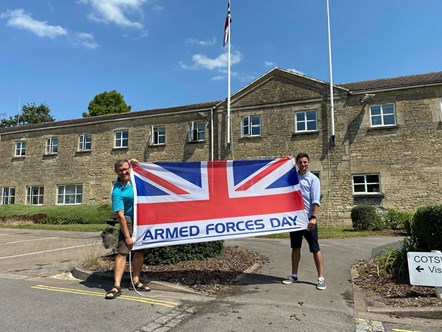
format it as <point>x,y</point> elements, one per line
<point>183,252</point>
<point>56,215</point>
<point>366,218</point>
<point>167,255</point>
<point>426,228</point>
<point>398,220</point>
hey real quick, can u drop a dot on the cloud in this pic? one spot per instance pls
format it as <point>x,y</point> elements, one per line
<point>269,64</point>
<point>84,39</point>
<point>17,18</point>
<point>194,41</point>
<point>201,61</point>
<point>116,11</point>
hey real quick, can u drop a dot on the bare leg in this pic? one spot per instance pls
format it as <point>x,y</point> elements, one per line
<point>319,264</point>
<point>137,264</point>
<point>296,257</point>
<point>119,267</point>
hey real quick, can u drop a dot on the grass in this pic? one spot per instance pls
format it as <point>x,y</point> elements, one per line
<point>69,227</point>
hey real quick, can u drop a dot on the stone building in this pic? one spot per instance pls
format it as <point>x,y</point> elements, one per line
<point>385,151</point>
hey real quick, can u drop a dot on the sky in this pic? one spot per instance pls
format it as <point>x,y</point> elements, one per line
<point>167,53</point>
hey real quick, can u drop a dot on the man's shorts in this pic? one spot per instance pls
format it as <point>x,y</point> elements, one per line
<point>122,247</point>
<point>310,236</point>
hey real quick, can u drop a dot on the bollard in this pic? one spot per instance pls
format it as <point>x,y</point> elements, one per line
<point>438,289</point>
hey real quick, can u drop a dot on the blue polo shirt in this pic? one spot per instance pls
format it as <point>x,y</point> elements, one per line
<point>123,198</point>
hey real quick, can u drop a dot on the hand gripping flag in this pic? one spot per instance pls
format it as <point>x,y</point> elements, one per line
<point>186,202</point>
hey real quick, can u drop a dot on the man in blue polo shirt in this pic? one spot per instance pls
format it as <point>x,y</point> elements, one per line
<point>123,206</point>
<point>311,194</point>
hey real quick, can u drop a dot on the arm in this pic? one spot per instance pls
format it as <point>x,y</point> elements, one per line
<point>124,229</point>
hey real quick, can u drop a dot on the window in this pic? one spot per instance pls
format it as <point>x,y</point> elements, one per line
<point>440,110</point>
<point>382,115</point>
<point>305,121</point>
<point>69,194</point>
<point>197,131</point>
<point>7,195</point>
<point>158,135</point>
<point>85,142</point>
<point>121,139</point>
<point>251,126</point>
<point>366,184</point>
<point>51,145</point>
<point>20,149</point>
<point>35,195</point>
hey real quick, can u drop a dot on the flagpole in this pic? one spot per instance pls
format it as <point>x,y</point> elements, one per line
<point>229,147</point>
<point>332,111</point>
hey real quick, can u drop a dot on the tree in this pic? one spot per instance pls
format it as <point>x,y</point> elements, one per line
<point>108,102</point>
<point>30,114</point>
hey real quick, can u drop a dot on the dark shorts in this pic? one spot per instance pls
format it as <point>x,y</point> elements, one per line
<point>122,247</point>
<point>310,236</point>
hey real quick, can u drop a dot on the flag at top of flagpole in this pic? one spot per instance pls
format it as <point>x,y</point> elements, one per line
<point>227,25</point>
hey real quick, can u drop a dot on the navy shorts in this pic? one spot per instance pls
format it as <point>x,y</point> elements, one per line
<point>310,236</point>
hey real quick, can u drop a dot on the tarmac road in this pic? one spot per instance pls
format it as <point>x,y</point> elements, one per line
<point>38,294</point>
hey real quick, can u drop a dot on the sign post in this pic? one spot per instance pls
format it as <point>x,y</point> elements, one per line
<point>425,269</point>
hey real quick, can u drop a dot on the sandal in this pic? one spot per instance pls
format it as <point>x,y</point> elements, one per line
<point>139,286</point>
<point>113,293</point>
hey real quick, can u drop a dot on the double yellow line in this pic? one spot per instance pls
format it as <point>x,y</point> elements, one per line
<point>101,294</point>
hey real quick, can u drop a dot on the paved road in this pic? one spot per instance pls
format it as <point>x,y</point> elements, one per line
<point>38,294</point>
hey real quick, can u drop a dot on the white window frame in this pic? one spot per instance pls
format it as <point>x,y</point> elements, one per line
<point>69,192</point>
<point>157,137</point>
<point>51,146</point>
<point>121,139</point>
<point>34,195</point>
<point>382,115</point>
<point>197,131</point>
<point>306,121</point>
<point>249,127</point>
<point>20,149</point>
<point>440,101</point>
<point>84,142</point>
<point>367,184</point>
<point>7,195</point>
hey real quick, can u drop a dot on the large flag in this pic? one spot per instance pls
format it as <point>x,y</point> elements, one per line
<point>185,202</point>
<point>227,25</point>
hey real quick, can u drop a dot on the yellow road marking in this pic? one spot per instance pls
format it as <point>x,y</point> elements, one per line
<point>399,330</point>
<point>100,294</point>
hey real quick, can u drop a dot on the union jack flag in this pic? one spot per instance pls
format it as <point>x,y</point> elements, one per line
<point>184,202</point>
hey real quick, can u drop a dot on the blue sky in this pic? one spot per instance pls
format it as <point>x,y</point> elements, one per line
<point>165,53</point>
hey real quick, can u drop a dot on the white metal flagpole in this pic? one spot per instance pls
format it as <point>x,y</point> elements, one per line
<point>332,111</point>
<point>227,39</point>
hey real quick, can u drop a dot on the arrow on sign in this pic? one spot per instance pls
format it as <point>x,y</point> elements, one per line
<point>419,269</point>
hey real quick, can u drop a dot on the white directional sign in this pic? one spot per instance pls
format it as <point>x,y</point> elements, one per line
<point>425,268</point>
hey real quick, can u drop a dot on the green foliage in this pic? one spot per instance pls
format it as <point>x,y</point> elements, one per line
<point>183,252</point>
<point>56,215</point>
<point>108,102</point>
<point>398,219</point>
<point>365,217</point>
<point>30,114</point>
<point>426,229</point>
<point>394,261</point>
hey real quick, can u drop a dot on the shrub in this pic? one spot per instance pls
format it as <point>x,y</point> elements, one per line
<point>365,217</point>
<point>426,229</point>
<point>167,255</point>
<point>397,219</point>
<point>394,261</point>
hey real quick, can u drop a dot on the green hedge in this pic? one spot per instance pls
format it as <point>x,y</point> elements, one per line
<point>426,229</point>
<point>365,218</point>
<point>57,215</point>
<point>167,255</point>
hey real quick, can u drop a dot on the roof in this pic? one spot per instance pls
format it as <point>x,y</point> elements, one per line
<point>395,82</point>
<point>109,117</point>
